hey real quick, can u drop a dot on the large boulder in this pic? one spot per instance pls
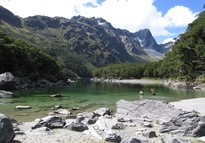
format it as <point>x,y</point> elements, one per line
<point>6,129</point>
<point>113,137</point>
<point>144,110</point>
<point>103,111</point>
<point>6,94</point>
<point>80,127</point>
<point>7,81</point>
<point>50,122</point>
<point>103,129</point>
<point>87,117</point>
<point>187,123</point>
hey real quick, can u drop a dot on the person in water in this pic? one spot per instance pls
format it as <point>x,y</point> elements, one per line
<point>153,91</point>
<point>141,93</point>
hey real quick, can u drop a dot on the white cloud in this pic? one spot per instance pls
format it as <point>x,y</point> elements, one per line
<point>168,40</point>
<point>179,16</point>
<point>132,15</point>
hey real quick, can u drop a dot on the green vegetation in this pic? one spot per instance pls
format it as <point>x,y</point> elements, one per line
<point>25,60</point>
<point>186,61</point>
<point>128,71</point>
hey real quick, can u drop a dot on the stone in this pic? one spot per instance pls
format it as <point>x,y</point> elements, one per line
<point>56,95</point>
<point>149,134</point>
<point>118,126</point>
<point>186,123</point>
<point>88,117</point>
<point>173,139</point>
<point>42,129</point>
<point>23,107</point>
<point>7,81</point>
<point>103,111</point>
<point>80,127</point>
<point>131,140</point>
<point>6,129</point>
<point>62,111</point>
<point>113,137</point>
<point>51,122</point>
<point>147,124</point>
<point>6,94</point>
<point>79,119</point>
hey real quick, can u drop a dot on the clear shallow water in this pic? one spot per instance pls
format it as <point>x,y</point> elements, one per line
<point>87,96</point>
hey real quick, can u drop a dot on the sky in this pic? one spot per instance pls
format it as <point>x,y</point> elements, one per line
<point>166,19</point>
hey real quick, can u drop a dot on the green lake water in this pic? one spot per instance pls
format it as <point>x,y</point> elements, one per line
<point>87,96</point>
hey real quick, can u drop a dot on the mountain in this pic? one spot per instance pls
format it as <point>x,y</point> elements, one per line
<point>187,58</point>
<point>25,60</point>
<point>9,17</point>
<point>90,42</point>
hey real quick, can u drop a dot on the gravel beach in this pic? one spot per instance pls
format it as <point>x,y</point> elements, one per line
<point>42,135</point>
<point>52,136</point>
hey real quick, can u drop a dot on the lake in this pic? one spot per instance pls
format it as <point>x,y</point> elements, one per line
<point>87,96</point>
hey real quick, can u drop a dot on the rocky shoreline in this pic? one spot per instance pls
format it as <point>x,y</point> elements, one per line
<point>170,83</point>
<point>142,121</point>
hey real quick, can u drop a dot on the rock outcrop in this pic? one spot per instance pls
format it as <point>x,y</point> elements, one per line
<point>145,110</point>
<point>6,129</point>
<point>187,123</point>
<point>7,81</point>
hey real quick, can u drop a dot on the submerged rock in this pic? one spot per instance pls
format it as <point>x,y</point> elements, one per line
<point>56,95</point>
<point>62,111</point>
<point>23,107</point>
<point>6,129</point>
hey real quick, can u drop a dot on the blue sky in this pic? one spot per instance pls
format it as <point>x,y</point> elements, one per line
<point>165,18</point>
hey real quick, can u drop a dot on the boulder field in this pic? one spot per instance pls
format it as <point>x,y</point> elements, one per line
<point>142,121</point>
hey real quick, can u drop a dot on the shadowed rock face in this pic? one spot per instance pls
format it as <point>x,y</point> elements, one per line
<point>6,129</point>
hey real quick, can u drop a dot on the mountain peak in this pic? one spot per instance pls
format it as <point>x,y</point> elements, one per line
<point>9,17</point>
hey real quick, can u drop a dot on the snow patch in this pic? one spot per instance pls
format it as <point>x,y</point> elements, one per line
<point>141,42</point>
